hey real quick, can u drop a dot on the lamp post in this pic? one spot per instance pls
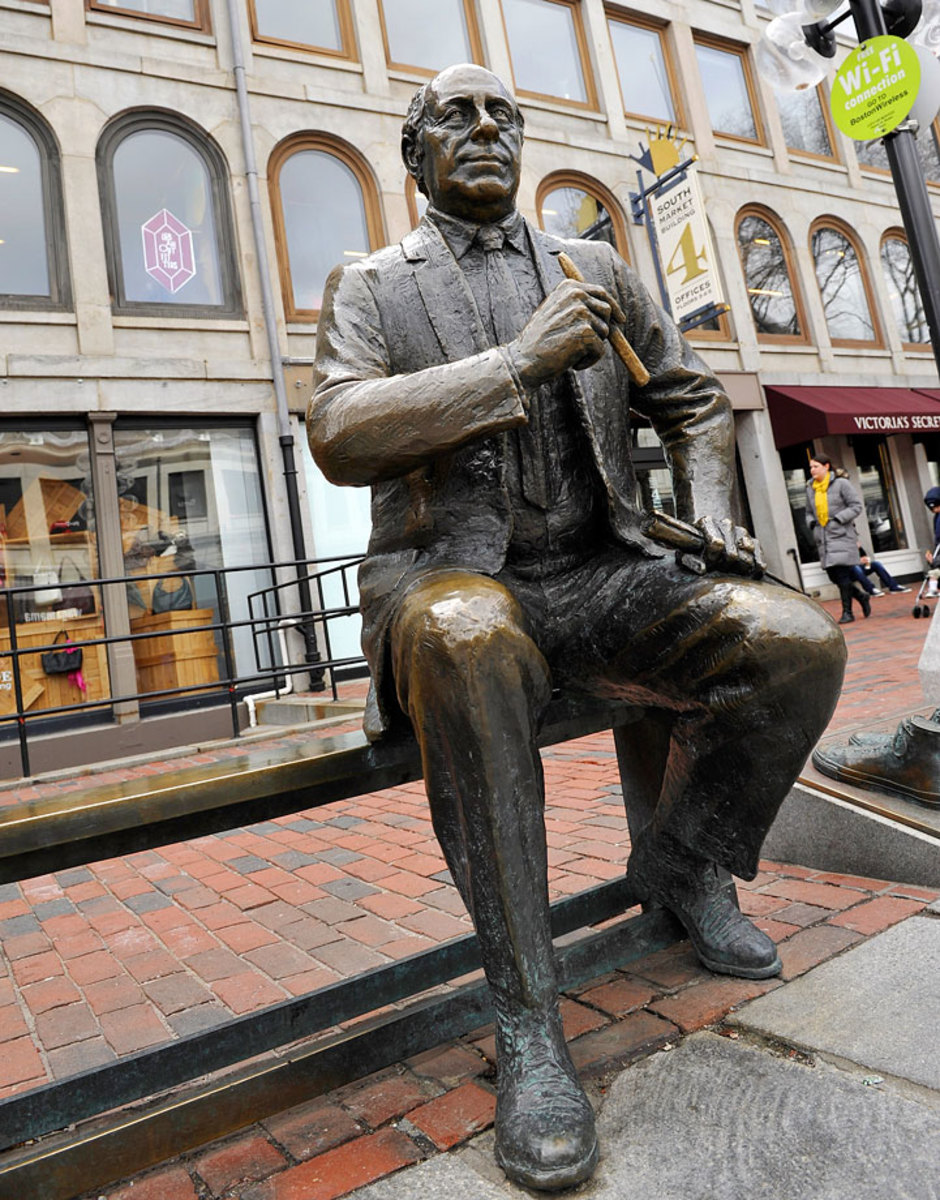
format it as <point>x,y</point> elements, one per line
<point>911,189</point>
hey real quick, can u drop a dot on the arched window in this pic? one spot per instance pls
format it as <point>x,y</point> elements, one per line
<point>574,206</point>
<point>32,226</point>
<point>326,212</point>
<point>775,303</point>
<point>903,292</point>
<point>843,286</point>
<point>167,218</point>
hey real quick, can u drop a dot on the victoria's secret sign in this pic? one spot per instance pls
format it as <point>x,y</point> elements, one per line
<point>896,424</point>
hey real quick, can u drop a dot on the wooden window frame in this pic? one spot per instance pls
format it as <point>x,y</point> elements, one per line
<point>830,132</point>
<point>621,17</point>
<point>202,21</point>
<point>770,218</point>
<point>877,342</point>
<point>473,36</point>
<point>375,227</point>
<point>168,122</point>
<point>591,103</point>
<point>347,35</point>
<point>897,234</point>
<point>740,51</point>
<point>50,174</point>
<point>593,188</point>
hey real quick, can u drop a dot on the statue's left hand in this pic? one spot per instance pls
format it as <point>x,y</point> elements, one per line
<point>730,547</point>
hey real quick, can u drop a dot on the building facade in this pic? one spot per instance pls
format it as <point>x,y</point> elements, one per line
<point>177,177</point>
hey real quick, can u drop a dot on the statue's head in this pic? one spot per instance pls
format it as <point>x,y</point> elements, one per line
<point>462,142</point>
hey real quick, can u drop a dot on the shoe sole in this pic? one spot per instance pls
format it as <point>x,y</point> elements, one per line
<point>739,972</point>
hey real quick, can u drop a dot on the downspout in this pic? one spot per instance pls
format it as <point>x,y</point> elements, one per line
<point>286,438</point>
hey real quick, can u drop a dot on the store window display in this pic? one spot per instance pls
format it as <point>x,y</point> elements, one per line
<point>48,563</point>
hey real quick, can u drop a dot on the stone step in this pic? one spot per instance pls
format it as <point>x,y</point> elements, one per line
<point>304,708</point>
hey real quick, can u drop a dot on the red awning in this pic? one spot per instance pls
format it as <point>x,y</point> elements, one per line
<point>799,414</point>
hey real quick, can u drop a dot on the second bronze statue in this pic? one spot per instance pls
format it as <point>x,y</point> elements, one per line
<point>476,389</point>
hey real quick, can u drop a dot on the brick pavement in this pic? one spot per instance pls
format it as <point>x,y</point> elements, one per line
<point>103,960</point>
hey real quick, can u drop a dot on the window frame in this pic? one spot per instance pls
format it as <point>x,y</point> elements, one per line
<point>590,104</point>
<point>201,10</point>
<point>885,172</point>
<point>597,191</point>
<point>898,234</point>
<point>325,143</point>
<point>652,25</point>
<point>740,51</point>
<point>473,36</point>
<point>163,121</point>
<point>877,341</point>
<point>347,36</point>
<point>54,226</point>
<point>811,155</point>
<point>786,244</point>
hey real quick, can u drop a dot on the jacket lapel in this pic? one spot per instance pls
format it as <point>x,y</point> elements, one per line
<point>446,296</point>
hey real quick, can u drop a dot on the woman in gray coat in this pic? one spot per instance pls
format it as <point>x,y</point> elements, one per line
<point>832,505</point>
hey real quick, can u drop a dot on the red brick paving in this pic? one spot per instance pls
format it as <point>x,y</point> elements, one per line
<point>238,922</point>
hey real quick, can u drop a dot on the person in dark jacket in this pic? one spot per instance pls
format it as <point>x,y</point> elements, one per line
<point>832,505</point>
<point>932,500</point>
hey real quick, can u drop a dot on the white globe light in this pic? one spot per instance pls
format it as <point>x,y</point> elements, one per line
<point>783,58</point>
<point>927,104</point>
<point>927,32</point>
<point>818,10</point>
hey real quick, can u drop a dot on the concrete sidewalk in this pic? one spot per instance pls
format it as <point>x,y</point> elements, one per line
<point>101,961</point>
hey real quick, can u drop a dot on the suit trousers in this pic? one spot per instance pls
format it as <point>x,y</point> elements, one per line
<point>746,674</point>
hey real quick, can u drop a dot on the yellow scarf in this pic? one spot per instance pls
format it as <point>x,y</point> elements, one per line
<point>821,487</point>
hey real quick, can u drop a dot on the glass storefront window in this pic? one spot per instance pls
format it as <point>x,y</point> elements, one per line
<point>654,479</point>
<point>48,546</point>
<point>876,480</point>
<point>190,498</point>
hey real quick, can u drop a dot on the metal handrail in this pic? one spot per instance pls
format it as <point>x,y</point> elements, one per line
<point>231,683</point>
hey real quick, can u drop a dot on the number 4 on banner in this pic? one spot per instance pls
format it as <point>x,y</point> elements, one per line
<point>686,258</point>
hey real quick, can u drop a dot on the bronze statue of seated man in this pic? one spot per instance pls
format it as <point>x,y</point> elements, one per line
<point>472,385</point>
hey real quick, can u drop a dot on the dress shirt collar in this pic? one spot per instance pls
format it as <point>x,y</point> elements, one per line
<point>460,234</point>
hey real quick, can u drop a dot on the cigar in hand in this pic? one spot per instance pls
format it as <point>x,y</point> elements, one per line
<point>622,348</point>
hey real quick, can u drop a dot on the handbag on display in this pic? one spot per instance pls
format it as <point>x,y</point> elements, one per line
<point>46,582</point>
<point>77,594</point>
<point>63,661</point>
<point>164,600</point>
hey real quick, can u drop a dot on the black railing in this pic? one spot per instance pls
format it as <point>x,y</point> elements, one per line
<point>262,613</point>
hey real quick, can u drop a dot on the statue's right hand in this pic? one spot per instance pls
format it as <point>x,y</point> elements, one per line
<point>569,329</point>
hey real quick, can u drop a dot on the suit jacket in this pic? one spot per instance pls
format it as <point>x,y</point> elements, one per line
<point>410,398</point>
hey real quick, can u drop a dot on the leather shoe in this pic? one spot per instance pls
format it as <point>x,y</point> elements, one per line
<point>846,619</point>
<point>906,763</point>
<point>545,1136</point>
<point>662,870</point>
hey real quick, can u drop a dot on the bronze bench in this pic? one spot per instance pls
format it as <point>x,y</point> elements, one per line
<point>53,834</point>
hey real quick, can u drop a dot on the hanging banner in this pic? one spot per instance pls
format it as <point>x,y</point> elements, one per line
<point>685,250</point>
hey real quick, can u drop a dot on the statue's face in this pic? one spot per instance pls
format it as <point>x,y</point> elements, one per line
<point>472,142</point>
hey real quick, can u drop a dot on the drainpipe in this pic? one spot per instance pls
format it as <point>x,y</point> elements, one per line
<point>286,437</point>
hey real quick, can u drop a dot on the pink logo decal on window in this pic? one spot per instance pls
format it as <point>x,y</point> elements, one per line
<point>168,250</point>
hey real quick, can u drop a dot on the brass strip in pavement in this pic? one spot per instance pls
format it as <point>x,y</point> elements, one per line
<point>882,804</point>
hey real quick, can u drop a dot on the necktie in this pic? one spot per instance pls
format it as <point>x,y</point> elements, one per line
<point>508,315</point>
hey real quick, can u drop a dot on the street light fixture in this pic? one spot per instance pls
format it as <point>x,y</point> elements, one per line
<point>796,52</point>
